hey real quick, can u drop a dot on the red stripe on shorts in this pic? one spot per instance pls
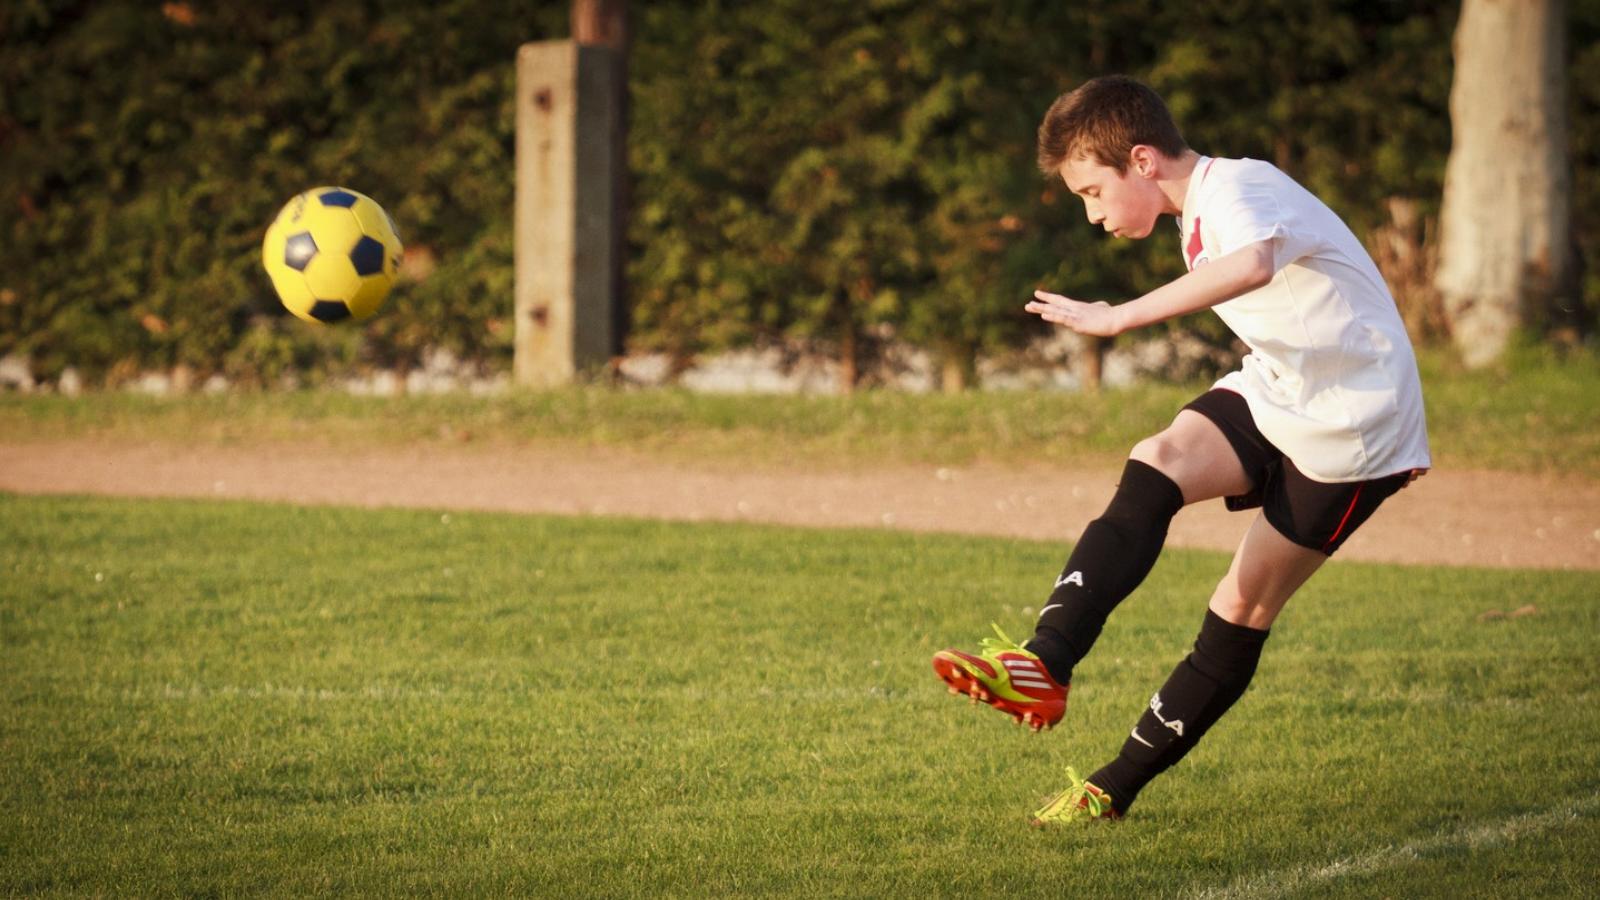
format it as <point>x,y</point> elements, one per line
<point>1340,530</point>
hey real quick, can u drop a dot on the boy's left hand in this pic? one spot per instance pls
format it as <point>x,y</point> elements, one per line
<point>1098,319</point>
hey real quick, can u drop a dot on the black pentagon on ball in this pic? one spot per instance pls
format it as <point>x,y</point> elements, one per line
<point>330,311</point>
<point>367,256</point>
<point>337,197</point>
<point>298,250</point>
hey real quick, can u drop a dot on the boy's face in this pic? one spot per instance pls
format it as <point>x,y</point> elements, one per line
<point>1125,204</point>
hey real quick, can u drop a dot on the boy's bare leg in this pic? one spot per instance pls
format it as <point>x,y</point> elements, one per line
<point>1266,571</point>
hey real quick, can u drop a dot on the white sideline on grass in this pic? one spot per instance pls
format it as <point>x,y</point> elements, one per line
<point>1473,837</point>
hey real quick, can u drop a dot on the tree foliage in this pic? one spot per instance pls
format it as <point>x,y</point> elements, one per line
<point>824,172</point>
<point>147,146</point>
<point>818,168</point>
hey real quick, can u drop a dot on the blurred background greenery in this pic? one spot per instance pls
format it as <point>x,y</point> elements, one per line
<point>826,174</point>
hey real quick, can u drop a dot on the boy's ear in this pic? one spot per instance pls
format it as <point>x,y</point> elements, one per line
<point>1142,160</point>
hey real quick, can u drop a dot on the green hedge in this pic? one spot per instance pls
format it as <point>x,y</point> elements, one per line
<point>147,146</point>
<point>830,172</point>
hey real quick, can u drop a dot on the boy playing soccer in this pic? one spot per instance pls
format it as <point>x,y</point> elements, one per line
<point>1322,422</point>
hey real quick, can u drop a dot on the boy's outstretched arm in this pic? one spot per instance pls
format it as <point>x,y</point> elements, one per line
<point>1243,270</point>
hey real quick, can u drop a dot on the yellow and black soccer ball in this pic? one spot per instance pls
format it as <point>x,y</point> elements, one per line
<point>332,254</point>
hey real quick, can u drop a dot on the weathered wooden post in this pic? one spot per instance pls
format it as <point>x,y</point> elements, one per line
<point>567,218</point>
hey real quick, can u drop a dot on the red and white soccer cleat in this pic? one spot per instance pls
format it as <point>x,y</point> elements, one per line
<point>1008,678</point>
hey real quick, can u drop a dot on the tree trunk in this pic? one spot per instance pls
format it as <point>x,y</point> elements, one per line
<point>849,353</point>
<point>958,367</point>
<point>1091,361</point>
<point>1505,251</point>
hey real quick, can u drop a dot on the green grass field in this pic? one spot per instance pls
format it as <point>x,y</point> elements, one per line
<point>213,699</point>
<point>1536,415</point>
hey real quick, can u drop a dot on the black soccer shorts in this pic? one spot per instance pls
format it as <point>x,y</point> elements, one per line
<point>1313,514</point>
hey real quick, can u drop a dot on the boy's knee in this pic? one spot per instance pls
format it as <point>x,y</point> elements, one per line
<point>1160,451</point>
<point>1229,604</point>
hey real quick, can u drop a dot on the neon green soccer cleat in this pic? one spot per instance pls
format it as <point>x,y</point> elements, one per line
<point>1080,801</point>
<point>1006,677</point>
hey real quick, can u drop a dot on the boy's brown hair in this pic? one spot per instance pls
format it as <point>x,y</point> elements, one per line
<point>1103,119</point>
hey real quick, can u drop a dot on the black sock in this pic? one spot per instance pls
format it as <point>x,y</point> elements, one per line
<point>1198,692</point>
<point>1114,555</point>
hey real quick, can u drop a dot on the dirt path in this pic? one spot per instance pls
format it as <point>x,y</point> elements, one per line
<point>1449,517</point>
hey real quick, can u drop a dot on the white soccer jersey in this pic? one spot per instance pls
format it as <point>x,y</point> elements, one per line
<point>1330,378</point>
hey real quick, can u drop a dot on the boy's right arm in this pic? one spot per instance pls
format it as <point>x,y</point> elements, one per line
<point>1239,272</point>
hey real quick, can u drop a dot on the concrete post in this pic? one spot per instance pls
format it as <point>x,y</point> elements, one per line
<point>566,218</point>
